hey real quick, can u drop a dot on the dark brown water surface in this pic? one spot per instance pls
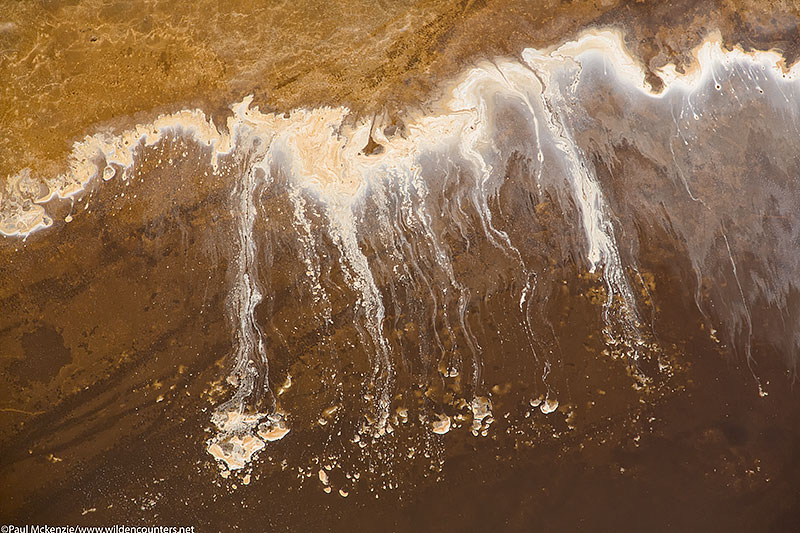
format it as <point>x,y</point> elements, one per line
<point>673,363</point>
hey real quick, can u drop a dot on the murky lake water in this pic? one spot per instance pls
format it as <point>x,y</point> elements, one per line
<point>434,282</point>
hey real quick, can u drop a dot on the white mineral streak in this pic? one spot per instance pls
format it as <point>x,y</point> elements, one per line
<point>603,250</point>
<point>320,153</point>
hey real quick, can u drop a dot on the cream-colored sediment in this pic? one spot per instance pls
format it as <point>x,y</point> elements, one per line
<point>235,451</point>
<point>549,405</point>
<point>441,425</point>
<point>481,408</point>
<point>273,433</point>
<point>235,444</point>
<point>236,422</point>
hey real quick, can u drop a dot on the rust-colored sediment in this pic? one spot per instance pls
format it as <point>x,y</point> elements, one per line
<point>70,66</point>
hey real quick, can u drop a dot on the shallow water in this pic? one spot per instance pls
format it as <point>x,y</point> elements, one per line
<point>560,292</point>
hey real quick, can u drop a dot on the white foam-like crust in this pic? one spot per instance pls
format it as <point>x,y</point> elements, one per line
<point>325,152</point>
<point>235,445</point>
<point>273,434</point>
<point>481,408</point>
<point>548,405</point>
<point>609,46</point>
<point>235,451</point>
<point>441,425</point>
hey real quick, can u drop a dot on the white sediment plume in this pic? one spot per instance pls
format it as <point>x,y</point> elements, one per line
<point>320,153</point>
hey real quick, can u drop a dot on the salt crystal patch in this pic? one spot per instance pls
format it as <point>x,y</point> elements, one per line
<point>235,451</point>
<point>442,425</point>
<point>548,406</point>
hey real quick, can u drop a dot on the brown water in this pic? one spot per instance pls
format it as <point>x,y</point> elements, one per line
<point>467,266</point>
